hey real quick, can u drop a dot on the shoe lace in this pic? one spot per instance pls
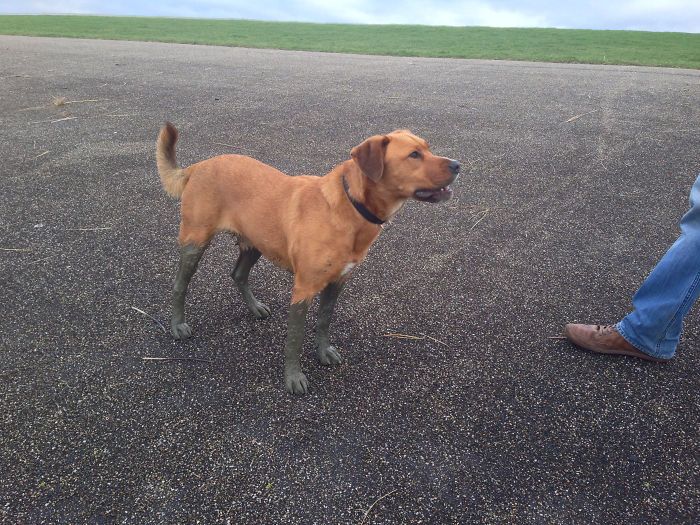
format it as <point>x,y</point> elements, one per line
<point>605,329</point>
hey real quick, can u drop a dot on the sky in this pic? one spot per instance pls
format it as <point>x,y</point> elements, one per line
<point>647,15</point>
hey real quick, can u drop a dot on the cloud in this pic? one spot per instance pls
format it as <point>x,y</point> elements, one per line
<point>678,15</point>
<point>654,15</point>
<point>448,13</point>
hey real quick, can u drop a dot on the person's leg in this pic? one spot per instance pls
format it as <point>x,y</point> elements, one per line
<point>663,300</point>
<point>652,330</point>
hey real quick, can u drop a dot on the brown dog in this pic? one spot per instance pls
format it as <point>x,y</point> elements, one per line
<point>319,228</point>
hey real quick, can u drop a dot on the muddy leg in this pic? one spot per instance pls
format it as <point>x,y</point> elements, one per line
<point>327,354</point>
<point>189,258</point>
<point>294,379</point>
<point>246,260</point>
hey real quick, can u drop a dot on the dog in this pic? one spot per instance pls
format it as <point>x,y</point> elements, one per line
<point>319,228</point>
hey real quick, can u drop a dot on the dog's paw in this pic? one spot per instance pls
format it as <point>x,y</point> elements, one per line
<point>260,310</point>
<point>328,356</point>
<point>296,383</point>
<point>180,330</point>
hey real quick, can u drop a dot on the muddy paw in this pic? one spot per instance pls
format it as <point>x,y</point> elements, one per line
<point>260,310</point>
<point>328,356</point>
<point>180,330</point>
<point>296,383</point>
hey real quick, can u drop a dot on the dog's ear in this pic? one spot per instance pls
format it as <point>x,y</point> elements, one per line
<point>369,156</point>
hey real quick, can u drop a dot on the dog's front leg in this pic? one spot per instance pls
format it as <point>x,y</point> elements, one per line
<point>294,379</point>
<point>327,354</point>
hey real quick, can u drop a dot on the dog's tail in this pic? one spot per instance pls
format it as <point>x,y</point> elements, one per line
<point>172,177</point>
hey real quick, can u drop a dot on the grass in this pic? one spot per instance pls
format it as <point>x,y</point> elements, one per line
<point>543,45</point>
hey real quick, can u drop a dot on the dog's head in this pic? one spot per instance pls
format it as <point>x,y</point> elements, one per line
<point>404,166</point>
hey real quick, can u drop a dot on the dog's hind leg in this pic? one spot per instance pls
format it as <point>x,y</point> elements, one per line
<point>327,354</point>
<point>248,257</point>
<point>190,254</point>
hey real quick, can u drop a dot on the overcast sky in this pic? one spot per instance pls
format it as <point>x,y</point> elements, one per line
<point>649,15</point>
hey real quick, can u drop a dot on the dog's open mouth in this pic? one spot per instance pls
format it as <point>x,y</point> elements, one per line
<point>438,195</point>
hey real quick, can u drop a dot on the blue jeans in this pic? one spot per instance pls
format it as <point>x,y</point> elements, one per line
<point>663,300</point>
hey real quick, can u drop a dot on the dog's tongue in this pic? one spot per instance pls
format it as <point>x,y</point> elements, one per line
<point>424,194</point>
<point>438,195</point>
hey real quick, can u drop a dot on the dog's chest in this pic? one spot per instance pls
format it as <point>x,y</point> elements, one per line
<point>348,268</point>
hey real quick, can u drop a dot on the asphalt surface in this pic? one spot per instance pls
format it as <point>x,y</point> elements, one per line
<point>488,419</point>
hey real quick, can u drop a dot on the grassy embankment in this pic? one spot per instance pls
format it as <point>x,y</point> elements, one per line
<point>543,45</point>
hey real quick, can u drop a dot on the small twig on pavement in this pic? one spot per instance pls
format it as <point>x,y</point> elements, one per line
<point>222,144</point>
<point>34,108</point>
<point>176,359</point>
<point>89,229</point>
<point>557,337</point>
<point>436,340</point>
<point>483,215</point>
<point>41,154</point>
<point>576,117</point>
<point>52,121</point>
<point>150,317</point>
<point>421,337</point>
<point>16,249</point>
<point>375,502</point>
<point>81,101</point>
<point>62,119</point>
<point>41,260</point>
<point>405,336</point>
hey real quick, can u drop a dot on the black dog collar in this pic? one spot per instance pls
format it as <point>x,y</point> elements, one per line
<point>361,208</point>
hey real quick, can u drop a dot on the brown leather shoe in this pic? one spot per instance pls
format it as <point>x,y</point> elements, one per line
<point>604,339</point>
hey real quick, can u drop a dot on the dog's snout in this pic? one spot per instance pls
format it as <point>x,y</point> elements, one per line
<point>454,167</point>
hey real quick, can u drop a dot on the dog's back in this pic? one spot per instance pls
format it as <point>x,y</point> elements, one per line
<point>232,193</point>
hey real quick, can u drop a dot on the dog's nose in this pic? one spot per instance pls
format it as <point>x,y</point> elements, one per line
<point>454,167</point>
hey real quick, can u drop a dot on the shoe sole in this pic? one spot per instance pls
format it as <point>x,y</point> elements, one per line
<point>639,354</point>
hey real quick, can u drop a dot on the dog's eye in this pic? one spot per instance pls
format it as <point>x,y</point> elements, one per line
<point>414,155</point>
